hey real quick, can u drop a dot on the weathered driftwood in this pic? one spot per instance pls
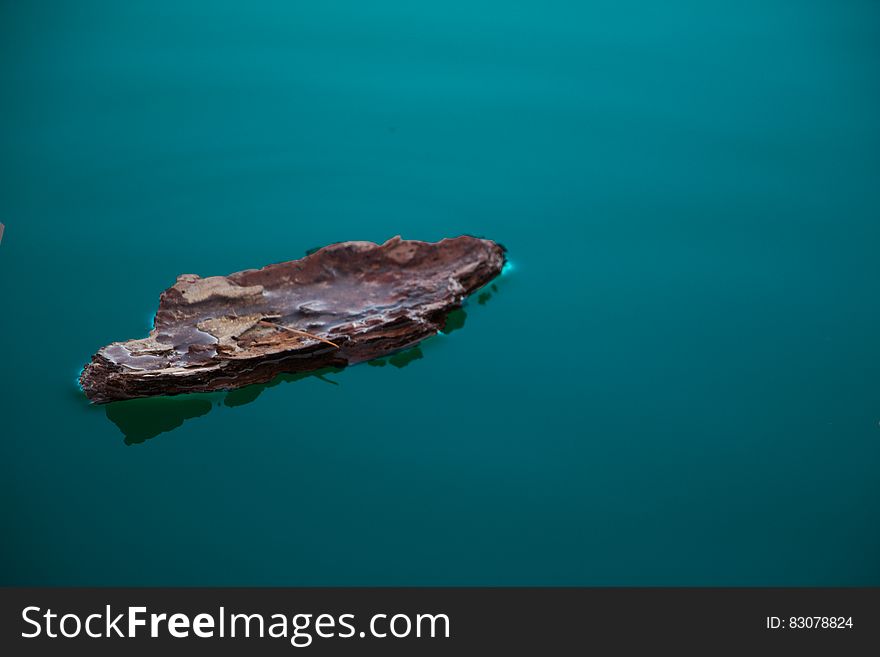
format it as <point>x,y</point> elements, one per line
<point>343,304</point>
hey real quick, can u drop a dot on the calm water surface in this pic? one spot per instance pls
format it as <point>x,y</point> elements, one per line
<point>678,382</point>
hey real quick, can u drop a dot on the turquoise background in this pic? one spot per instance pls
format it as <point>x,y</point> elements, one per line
<point>677,383</point>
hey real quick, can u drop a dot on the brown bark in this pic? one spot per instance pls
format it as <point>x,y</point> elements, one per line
<point>343,304</point>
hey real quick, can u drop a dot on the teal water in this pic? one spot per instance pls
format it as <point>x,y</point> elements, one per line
<point>678,382</point>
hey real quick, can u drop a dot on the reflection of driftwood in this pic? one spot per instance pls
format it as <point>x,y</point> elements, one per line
<point>344,304</point>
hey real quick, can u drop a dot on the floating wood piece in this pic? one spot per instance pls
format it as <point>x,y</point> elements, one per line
<point>343,304</point>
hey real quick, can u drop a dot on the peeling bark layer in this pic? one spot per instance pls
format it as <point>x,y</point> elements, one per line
<point>343,304</point>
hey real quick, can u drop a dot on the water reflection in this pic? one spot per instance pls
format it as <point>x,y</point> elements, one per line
<point>486,293</point>
<point>242,396</point>
<point>400,359</point>
<point>143,419</point>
